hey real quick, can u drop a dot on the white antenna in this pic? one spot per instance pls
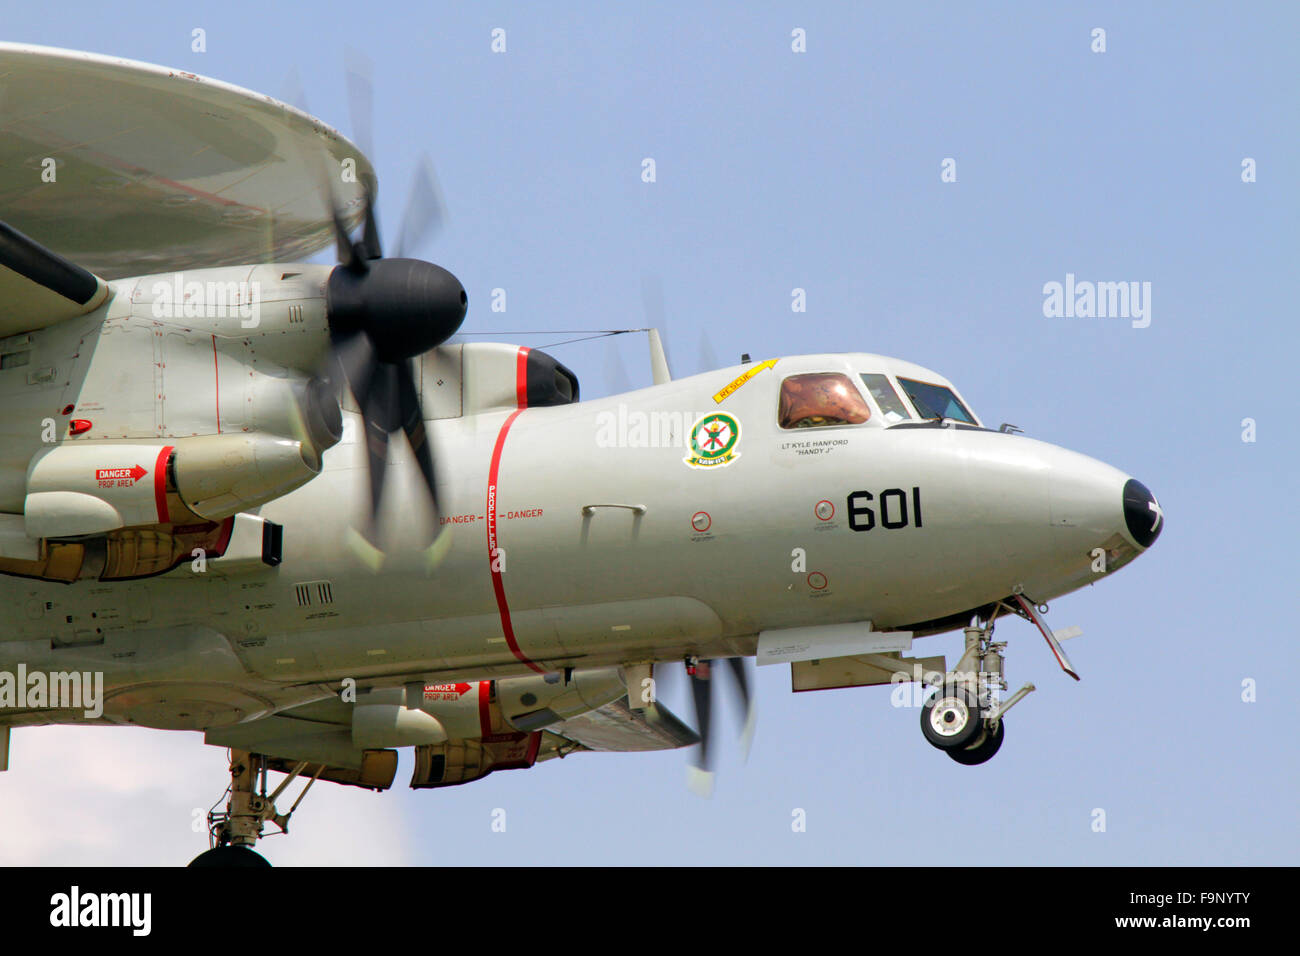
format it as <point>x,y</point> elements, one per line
<point>658,360</point>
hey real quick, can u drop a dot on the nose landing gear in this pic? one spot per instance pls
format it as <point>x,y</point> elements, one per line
<point>964,717</point>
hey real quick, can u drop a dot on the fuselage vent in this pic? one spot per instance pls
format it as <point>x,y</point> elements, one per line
<point>310,593</point>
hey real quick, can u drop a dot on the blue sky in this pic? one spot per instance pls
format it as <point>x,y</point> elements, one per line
<point>821,171</point>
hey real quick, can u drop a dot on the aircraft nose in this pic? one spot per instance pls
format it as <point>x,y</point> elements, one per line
<point>1142,513</point>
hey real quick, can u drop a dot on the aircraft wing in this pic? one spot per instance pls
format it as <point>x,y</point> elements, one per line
<point>617,727</point>
<point>39,288</point>
<point>320,733</point>
<point>131,169</point>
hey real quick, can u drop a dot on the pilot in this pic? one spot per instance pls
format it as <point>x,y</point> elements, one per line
<point>820,398</point>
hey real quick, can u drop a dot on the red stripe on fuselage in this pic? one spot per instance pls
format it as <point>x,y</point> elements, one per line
<point>160,484</point>
<point>484,708</point>
<point>216,382</point>
<point>498,582</point>
<point>521,377</point>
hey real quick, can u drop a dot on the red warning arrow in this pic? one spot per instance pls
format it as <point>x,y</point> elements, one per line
<point>134,473</point>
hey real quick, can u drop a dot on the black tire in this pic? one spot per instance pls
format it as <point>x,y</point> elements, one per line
<point>950,719</point>
<point>982,750</point>
<point>230,856</point>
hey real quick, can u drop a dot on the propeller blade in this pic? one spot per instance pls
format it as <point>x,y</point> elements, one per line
<point>379,409</point>
<point>370,247</point>
<point>708,358</point>
<point>412,417</point>
<point>388,398</point>
<point>361,107</point>
<point>343,247</point>
<point>292,91</point>
<point>361,98</point>
<point>747,703</point>
<point>700,777</point>
<point>376,390</point>
<point>426,212</point>
<point>349,363</point>
<point>666,676</point>
<point>616,380</point>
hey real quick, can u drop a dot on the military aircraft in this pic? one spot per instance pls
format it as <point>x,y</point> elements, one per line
<point>202,505</point>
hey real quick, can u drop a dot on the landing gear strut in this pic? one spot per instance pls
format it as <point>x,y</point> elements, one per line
<point>232,833</point>
<point>964,717</point>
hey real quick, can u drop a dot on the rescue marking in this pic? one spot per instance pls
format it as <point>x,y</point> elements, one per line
<point>741,379</point>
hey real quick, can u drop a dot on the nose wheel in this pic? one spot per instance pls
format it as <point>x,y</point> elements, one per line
<point>983,748</point>
<point>951,719</point>
<point>964,717</point>
<point>951,722</point>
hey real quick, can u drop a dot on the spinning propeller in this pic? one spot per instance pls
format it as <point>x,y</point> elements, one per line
<point>700,777</point>
<point>383,313</point>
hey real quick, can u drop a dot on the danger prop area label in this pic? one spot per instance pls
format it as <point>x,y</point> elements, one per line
<point>119,477</point>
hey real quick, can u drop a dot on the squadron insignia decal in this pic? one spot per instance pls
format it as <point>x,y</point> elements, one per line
<point>713,441</point>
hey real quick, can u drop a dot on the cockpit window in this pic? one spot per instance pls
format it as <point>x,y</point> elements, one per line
<point>935,401</point>
<point>882,390</point>
<point>821,398</point>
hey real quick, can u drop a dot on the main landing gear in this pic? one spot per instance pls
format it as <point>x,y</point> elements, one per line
<point>964,716</point>
<point>233,832</point>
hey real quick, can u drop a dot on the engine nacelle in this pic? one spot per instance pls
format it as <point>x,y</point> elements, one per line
<point>221,475</point>
<point>85,488</point>
<point>460,761</point>
<point>381,719</point>
<point>81,488</point>
<point>531,703</point>
<point>497,725</point>
<point>481,739</point>
<point>523,703</point>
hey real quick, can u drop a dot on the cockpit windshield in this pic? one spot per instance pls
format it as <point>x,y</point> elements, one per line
<point>891,406</point>
<point>935,401</point>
